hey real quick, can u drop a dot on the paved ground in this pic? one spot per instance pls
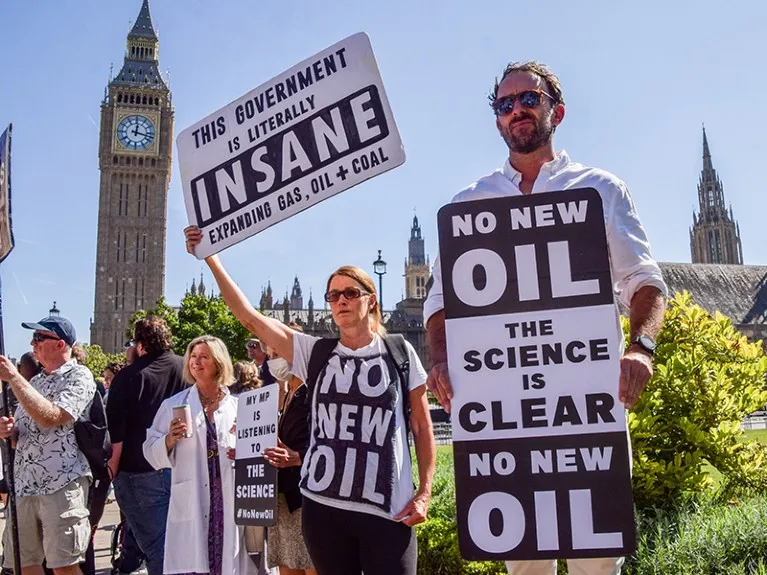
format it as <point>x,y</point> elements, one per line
<point>103,537</point>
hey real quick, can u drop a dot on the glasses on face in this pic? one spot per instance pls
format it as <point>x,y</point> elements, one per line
<point>39,337</point>
<point>529,99</point>
<point>252,345</point>
<point>349,293</point>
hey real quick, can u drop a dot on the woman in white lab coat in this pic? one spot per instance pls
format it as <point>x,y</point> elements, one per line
<point>201,535</point>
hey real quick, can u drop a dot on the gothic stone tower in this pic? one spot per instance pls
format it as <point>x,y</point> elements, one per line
<point>417,264</point>
<point>715,235</point>
<point>135,153</point>
<point>296,296</point>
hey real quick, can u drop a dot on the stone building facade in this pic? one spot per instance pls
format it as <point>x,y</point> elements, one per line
<point>135,155</point>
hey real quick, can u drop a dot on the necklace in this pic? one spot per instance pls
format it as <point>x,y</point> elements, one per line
<point>208,401</point>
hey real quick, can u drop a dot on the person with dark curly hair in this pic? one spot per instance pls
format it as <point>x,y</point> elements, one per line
<point>135,395</point>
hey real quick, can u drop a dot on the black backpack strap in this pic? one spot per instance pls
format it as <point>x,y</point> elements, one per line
<point>321,352</point>
<point>396,346</point>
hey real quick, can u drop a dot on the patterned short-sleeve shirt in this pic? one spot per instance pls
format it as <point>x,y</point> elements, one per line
<point>47,458</point>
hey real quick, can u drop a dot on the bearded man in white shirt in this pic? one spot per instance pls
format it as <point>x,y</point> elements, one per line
<point>529,106</point>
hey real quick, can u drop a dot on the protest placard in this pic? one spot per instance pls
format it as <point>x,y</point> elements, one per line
<point>255,480</point>
<point>316,130</point>
<point>533,340</point>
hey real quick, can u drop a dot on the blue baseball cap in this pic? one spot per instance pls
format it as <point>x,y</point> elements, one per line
<point>61,326</point>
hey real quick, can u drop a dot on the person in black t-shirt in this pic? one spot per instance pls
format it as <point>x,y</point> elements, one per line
<point>135,395</point>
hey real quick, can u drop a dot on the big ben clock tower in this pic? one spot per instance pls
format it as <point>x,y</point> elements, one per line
<point>135,153</point>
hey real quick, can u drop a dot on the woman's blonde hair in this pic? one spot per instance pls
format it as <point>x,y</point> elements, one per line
<point>219,354</point>
<point>361,277</point>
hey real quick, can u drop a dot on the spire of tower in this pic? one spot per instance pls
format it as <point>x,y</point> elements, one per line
<point>143,28</point>
<point>141,65</point>
<point>707,164</point>
<point>715,238</point>
<point>201,286</point>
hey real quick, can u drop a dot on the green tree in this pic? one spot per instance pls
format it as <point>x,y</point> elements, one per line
<point>199,315</point>
<point>708,377</point>
<point>96,360</point>
<point>160,309</point>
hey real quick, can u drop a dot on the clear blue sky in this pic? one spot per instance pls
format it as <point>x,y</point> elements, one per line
<point>639,80</point>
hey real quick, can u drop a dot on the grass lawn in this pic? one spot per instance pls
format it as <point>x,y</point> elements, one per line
<point>759,435</point>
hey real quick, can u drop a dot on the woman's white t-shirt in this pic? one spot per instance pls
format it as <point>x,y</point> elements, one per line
<point>358,457</point>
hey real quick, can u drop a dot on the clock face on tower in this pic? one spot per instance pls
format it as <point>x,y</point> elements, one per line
<point>135,132</point>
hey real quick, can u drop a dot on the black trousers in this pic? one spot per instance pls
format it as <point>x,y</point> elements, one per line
<point>342,542</point>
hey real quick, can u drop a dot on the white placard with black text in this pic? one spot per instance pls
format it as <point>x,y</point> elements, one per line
<point>315,130</point>
<point>533,339</point>
<point>255,480</point>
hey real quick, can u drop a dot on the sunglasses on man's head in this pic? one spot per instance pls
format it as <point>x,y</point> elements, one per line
<point>529,99</point>
<point>39,337</point>
<point>349,293</point>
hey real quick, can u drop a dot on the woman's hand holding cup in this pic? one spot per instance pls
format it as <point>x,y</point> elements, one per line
<point>176,431</point>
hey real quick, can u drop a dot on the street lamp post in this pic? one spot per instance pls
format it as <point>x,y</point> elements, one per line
<point>54,311</point>
<point>379,267</point>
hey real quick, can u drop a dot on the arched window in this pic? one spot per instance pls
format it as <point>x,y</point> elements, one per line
<point>144,100</point>
<point>131,98</point>
<point>119,98</point>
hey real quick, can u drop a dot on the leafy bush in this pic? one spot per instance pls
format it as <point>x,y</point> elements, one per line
<point>438,552</point>
<point>707,379</point>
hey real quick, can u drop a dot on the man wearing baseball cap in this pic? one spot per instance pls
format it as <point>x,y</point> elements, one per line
<point>52,475</point>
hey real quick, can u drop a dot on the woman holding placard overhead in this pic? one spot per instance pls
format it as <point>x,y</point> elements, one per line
<point>364,390</point>
<point>191,434</point>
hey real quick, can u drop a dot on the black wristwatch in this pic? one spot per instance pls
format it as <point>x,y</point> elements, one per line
<point>646,343</point>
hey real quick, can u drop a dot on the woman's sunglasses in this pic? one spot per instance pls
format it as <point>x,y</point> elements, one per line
<point>349,293</point>
<point>529,99</point>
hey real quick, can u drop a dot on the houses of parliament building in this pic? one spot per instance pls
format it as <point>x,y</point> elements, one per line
<point>135,158</point>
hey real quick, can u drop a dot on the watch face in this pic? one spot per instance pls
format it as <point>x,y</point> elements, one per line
<point>135,132</point>
<point>646,342</point>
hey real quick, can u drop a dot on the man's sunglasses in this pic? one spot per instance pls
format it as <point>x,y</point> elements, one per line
<point>39,337</point>
<point>252,345</point>
<point>349,293</point>
<point>529,99</point>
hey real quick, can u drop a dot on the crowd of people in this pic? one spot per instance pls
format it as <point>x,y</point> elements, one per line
<point>347,500</point>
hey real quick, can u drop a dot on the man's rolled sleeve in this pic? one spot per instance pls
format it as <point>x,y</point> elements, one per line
<point>633,266</point>
<point>434,301</point>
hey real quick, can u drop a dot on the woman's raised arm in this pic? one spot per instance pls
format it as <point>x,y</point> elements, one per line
<point>271,331</point>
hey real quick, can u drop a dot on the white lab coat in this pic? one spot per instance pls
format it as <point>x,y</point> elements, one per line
<point>186,537</point>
